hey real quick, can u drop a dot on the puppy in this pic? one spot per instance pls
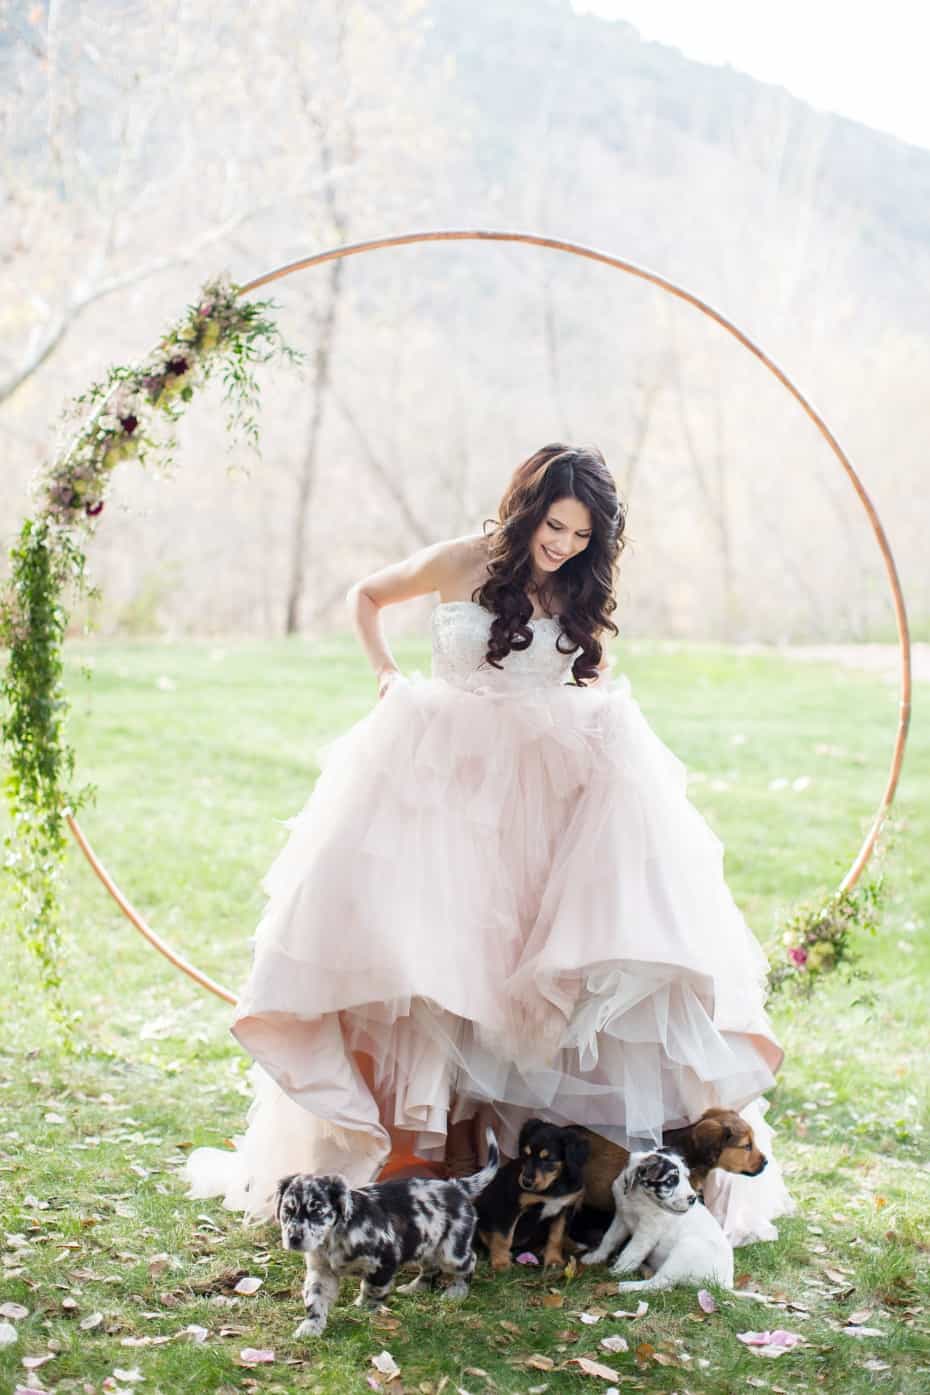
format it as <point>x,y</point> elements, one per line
<point>720,1138</point>
<point>661,1226</point>
<point>543,1183</point>
<point>373,1230</point>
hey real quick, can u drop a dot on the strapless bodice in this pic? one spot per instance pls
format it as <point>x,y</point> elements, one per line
<point>460,632</point>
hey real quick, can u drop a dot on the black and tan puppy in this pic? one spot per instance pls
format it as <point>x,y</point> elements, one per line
<point>719,1138</point>
<point>542,1184</point>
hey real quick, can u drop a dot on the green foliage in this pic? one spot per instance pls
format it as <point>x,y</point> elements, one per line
<point>131,413</point>
<point>822,938</point>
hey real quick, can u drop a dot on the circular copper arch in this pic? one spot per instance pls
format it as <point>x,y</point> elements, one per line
<point>576,249</point>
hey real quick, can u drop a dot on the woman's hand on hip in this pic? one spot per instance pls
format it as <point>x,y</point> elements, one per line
<point>386,677</point>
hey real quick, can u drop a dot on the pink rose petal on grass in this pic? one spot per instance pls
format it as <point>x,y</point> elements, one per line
<point>253,1356</point>
<point>527,1257</point>
<point>706,1301</point>
<point>774,1343</point>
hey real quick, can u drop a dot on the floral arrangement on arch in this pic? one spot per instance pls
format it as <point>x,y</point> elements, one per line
<point>819,939</point>
<point>130,414</point>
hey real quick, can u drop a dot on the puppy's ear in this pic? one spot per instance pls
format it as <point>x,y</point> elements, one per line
<point>577,1150</point>
<point>531,1127</point>
<point>340,1195</point>
<point>709,1137</point>
<point>282,1187</point>
<point>651,1170</point>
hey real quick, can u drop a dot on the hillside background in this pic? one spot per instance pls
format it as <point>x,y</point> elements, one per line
<point>144,150</point>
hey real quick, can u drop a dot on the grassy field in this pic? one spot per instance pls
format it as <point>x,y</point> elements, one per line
<point>197,751</point>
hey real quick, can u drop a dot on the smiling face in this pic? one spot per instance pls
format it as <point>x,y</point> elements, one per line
<point>564,531</point>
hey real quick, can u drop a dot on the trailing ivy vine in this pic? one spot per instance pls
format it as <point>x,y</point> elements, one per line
<point>131,414</point>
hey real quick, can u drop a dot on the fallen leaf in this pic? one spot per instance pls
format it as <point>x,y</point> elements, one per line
<point>863,1331</point>
<point>552,1300</point>
<point>873,1365</point>
<point>706,1301</point>
<point>158,1264</point>
<point>860,1316</point>
<point>198,1334</point>
<point>254,1356</point>
<point>644,1351</point>
<point>15,1311</point>
<point>386,1365</point>
<point>8,1334</point>
<point>589,1318</point>
<point>593,1368</point>
<point>131,1376</point>
<point>248,1285</point>
<point>642,1309</point>
<point>90,1322</point>
<point>32,1363</point>
<point>615,1343</point>
<point>537,1362</point>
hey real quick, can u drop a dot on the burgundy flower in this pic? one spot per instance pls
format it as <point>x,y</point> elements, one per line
<point>129,423</point>
<point>798,956</point>
<point>177,365</point>
<point>94,509</point>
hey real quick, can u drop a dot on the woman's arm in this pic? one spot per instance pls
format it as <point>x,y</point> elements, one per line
<point>437,567</point>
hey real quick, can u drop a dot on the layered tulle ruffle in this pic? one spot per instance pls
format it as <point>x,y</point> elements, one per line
<point>502,895</point>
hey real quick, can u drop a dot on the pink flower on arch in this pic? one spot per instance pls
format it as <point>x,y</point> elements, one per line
<point>798,956</point>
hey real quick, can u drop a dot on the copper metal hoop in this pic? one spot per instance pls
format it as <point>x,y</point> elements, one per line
<point>576,249</point>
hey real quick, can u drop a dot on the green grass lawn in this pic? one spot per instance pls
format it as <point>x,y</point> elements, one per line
<point>198,751</point>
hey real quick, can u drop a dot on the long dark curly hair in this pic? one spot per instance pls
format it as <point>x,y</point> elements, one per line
<point>586,581</point>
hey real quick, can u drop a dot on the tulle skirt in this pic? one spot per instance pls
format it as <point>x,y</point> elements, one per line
<point>496,897</point>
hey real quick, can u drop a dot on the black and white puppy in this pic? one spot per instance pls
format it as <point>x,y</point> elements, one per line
<point>373,1230</point>
<point>659,1223</point>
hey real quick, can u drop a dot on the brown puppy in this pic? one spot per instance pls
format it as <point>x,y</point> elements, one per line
<point>720,1138</point>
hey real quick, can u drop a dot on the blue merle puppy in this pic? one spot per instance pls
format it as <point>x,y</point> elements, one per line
<point>374,1230</point>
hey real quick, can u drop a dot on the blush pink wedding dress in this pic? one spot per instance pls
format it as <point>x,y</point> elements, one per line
<point>498,897</point>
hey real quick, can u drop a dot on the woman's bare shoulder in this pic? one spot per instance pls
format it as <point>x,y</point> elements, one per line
<point>467,558</point>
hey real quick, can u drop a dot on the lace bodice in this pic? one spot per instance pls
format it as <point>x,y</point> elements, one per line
<point>460,639</point>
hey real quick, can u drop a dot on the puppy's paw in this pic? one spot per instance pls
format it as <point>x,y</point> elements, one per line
<point>594,1257</point>
<point>553,1259</point>
<point>457,1290</point>
<point>311,1327</point>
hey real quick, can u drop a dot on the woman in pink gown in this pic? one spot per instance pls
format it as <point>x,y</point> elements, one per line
<point>498,900</point>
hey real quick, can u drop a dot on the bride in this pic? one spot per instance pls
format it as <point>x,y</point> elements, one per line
<point>498,900</point>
